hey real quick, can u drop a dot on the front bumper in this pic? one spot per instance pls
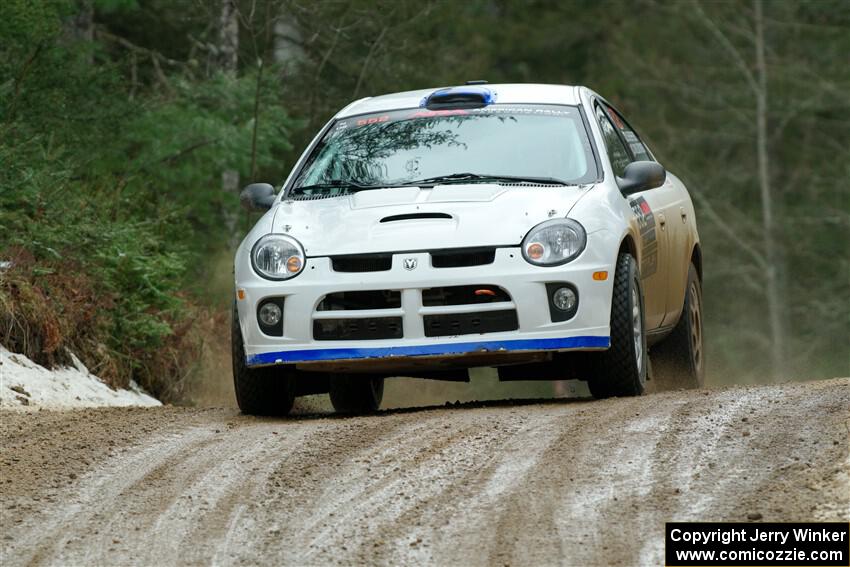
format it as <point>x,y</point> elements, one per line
<point>588,329</point>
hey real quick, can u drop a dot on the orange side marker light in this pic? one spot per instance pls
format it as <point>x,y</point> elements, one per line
<point>293,264</point>
<point>240,293</point>
<point>535,250</point>
<point>489,292</point>
<point>600,276</point>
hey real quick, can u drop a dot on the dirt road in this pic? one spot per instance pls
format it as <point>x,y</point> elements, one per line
<point>562,481</point>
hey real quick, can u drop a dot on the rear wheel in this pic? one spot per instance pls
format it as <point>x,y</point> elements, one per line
<point>268,390</point>
<point>352,393</point>
<point>678,360</point>
<point>621,370</point>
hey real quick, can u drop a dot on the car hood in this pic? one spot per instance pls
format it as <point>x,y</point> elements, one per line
<point>413,218</point>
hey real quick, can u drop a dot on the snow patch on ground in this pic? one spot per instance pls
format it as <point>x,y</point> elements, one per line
<point>23,383</point>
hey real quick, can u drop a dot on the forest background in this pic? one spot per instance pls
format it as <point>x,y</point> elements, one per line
<point>128,127</point>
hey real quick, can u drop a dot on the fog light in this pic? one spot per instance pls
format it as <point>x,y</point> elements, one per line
<point>270,314</point>
<point>564,299</point>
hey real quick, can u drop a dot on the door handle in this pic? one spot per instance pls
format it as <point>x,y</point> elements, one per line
<point>662,220</point>
<point>684,214</point>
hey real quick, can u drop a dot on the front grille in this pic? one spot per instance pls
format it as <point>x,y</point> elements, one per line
<point>362,263</point>
<point>470,323</point>
<point>462,257</point>
<point>456,258</point>
<point>463,295</point>
<point>369,329</point>
<point>354,300</point>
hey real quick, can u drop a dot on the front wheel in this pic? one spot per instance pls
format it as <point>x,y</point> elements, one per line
<point>352,393</point>
<point>268,390</point>
<point>621,370</point>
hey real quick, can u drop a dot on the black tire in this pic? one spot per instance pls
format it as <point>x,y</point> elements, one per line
<point>621,370</point>
<point>353,393</point>
<point>678,360</point>
<point>269,390</point>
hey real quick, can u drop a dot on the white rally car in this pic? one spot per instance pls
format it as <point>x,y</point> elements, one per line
<point>524,227</point>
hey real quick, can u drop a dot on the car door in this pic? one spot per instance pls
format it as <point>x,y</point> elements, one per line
<point>675,207</point>
<point>678,247</point>
<point>651,209</point>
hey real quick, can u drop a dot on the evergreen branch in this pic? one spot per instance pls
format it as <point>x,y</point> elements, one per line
<point>100,33</point>
<point>20,79</point>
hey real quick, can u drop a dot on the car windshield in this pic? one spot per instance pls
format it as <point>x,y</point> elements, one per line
<point>497,143</point>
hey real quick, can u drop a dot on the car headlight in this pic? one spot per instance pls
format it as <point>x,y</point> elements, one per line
<point>277,257</point>
<point>554,242</point>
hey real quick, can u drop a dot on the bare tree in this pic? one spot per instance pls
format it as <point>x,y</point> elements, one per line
<point>227,46</point>
<point>758,86</point>
<point>225,61</point>
<point>771,246</point>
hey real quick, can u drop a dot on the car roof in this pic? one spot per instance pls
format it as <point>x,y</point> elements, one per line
<point>515,93</point>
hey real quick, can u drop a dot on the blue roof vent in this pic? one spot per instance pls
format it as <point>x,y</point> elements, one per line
<point>470,96</point>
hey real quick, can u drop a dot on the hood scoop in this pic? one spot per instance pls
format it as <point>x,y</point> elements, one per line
<point>415,216</point>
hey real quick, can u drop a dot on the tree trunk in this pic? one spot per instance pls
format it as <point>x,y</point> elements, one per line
<point>226,60</point>
<point>286,50</point>
<point>227,50</point>
<point>771,246</point>
<point>80,26</point>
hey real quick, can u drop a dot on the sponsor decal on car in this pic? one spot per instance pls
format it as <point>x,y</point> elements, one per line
<point>648,236</point>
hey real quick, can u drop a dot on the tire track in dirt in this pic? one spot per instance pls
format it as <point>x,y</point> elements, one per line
<point>586,468</point>
<point>97,493</point>
<point>304,495</point>
<point>525,523</point>
<point>372,484</point>
<point>490,469</point>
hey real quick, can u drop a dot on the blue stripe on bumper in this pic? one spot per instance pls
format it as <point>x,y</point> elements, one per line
<point>290,356</point>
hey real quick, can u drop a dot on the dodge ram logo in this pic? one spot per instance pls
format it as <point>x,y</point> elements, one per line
<point>410,263</point>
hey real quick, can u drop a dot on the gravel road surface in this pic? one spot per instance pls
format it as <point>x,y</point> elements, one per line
<point>571,482</point>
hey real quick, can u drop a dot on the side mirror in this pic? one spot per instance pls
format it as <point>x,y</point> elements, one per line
<point>640,176</point>
<point>257,197</point>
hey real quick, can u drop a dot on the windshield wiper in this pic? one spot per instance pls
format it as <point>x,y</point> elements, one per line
<point>485,178</point>
<point>348,186</point>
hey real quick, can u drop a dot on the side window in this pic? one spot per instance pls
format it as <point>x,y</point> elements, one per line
<point>616,150</point>
<point>638,149</point>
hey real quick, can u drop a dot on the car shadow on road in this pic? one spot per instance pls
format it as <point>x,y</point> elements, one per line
<point>328,414</point>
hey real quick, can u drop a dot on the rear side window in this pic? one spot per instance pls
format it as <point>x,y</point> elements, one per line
<point>616,150</point>
<point>638,149</point>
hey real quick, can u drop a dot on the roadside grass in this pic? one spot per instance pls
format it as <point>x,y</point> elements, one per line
<point>50,309</point>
